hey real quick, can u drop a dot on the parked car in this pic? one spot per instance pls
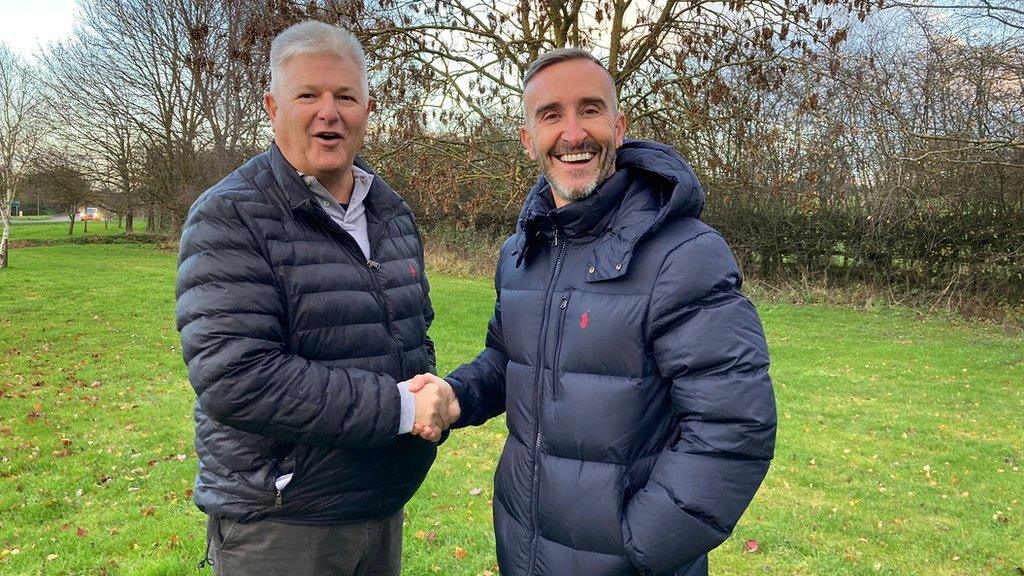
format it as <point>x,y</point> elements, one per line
<point>90,213</point>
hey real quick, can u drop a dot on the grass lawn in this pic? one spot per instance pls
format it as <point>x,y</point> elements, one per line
<point>28,230</point>
<point>899,452</point>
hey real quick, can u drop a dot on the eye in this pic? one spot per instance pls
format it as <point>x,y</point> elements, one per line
<point>548,117</point>
<point>347,98</point>
<point>591,111</point>
<point>307,96</point>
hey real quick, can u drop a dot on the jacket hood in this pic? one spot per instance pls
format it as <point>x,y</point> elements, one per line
<point>652,184</point>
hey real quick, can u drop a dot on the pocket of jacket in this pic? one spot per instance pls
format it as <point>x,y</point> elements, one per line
<point>556,382</point>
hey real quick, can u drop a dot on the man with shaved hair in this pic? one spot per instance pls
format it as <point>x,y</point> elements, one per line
<point>632,370</point>
<point>303,307</point>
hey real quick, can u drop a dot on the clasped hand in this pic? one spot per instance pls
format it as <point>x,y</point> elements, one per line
<point>436,406</point>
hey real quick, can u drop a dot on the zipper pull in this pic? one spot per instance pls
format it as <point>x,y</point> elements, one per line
<point>373,264</point>
<point>556,237</point>
<point>565,302</point>
<point>278,499</point>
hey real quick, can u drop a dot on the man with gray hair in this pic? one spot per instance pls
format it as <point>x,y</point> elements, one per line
<point>632,370</point>
<point>303,307</point>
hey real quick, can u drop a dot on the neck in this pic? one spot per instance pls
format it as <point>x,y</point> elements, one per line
<point>339,185</point>
<point>559,201</point>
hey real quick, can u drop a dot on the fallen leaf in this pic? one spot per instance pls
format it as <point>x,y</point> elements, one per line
<point>460,553</point>
<point>82,532</point>
<point>420,535</point>
<point>751,546</point>
<point>51,557</point>
<point>148,511</point>
<point>475,492</point>
<point>431,537</point>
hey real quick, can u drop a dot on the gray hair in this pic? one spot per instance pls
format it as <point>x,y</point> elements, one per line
<point>315,37</point>
<point>559,55</point>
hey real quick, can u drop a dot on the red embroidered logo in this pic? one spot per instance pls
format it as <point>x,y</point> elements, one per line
<point>585,320</point>
<point>412,271</point>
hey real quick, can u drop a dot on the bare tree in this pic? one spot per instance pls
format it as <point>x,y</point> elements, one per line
<point>55,175</point>
<point>19,104</point>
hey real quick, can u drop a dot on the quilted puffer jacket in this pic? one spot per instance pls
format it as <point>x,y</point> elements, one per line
<point>294,343</point>
<point>634,377</point>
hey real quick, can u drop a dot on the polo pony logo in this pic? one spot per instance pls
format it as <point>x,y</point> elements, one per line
<point>412,271</point>
<point>585,320</point>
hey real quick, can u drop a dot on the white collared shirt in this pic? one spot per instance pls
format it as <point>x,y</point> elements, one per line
<point>352,219</point>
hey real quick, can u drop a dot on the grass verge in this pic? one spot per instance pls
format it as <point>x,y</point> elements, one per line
<point>899,445</point>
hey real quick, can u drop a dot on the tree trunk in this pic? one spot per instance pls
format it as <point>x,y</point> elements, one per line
<point>4,241</point>
<point>129,221</point>
<point>150,220</point>
<point>71,228</point>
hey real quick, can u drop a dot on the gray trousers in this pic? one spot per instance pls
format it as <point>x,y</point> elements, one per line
<point>369,548</point>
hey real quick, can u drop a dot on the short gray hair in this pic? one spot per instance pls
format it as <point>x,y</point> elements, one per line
<point>559,55</point>
<point>315,37</point>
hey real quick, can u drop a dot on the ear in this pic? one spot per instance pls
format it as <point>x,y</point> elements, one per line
<point>527,141</point>
<point>371,105</point>
<point>270,106</point>
<point>620,129</point>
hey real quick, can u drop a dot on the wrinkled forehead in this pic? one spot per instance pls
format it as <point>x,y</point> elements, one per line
<point>568,84</point>
<point>316,68</point>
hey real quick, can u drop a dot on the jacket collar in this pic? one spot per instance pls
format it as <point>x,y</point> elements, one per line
<point>651,185</point>
<point>380,200</point>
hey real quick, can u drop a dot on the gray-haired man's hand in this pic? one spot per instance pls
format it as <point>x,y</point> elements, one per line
<point>436,406</point>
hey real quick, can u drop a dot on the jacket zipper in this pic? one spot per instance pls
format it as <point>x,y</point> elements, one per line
<point>556,382</point>
<point>378,291</point>
<point>538,399</point>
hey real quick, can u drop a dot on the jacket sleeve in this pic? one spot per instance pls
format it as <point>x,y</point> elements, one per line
<point>708,342</point>
<point>428,309</point>
<point>232,318</point>
<point>480,385</point>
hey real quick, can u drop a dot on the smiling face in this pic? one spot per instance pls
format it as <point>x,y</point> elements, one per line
<point>572,127</point>
<point>319,111</point>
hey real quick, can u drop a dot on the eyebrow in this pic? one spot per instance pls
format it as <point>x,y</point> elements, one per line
<point>595,101</point>
<point>550,107</point>
<point>555,106</point>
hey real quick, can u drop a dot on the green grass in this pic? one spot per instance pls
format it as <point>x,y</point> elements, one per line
<point>59,230</point>
<point>899,449</point>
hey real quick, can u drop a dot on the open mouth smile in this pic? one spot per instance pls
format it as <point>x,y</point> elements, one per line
<point>327,136</point>
<point>576,158</point>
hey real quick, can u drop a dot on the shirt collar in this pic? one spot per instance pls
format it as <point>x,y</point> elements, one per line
<point>361,181</point>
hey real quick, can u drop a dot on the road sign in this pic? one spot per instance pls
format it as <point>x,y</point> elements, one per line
<point>15,205</point>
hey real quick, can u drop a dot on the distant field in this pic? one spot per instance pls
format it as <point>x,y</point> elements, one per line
<point>31,230</point>
<point>899,452</point>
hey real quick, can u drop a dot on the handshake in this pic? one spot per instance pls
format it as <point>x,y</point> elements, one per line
<point>436,406</point>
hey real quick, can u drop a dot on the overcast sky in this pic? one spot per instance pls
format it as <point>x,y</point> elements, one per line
<point>27,24</point>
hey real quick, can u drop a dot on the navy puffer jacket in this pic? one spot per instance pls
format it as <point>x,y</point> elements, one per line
<point>294,344</point>
<point>634,375</point>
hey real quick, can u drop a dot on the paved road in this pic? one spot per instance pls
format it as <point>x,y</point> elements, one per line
<point>55,218</point>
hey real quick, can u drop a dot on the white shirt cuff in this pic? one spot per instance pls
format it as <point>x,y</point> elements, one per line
<point>408,417</point>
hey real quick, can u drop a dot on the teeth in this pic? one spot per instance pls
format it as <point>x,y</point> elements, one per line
<point>576,157</point>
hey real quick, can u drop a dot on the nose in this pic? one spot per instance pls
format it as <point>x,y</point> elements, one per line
<point>327,108</point>
<point>573,131</point>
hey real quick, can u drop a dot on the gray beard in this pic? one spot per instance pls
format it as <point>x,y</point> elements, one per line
<point>570,195</point>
